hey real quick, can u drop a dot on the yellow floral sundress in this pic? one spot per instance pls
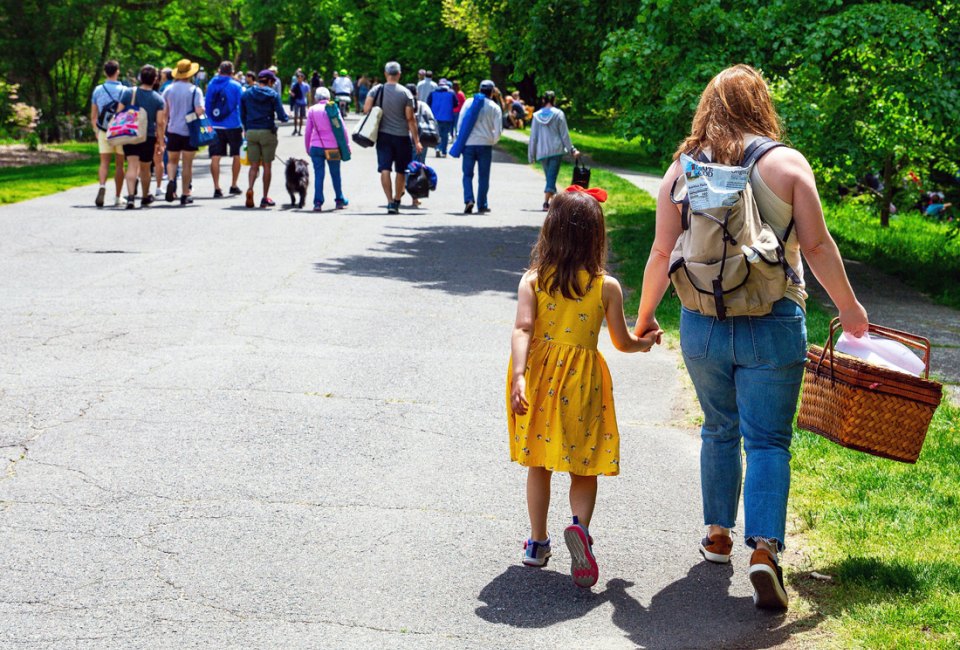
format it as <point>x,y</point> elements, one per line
<point>570,425</point>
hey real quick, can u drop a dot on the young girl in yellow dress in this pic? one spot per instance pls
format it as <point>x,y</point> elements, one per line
<point>560,414</point>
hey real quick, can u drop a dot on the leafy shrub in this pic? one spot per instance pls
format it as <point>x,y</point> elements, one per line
<point>921,251</point>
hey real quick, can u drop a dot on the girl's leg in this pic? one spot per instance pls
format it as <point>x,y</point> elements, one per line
<point>538,501</point>
<point>145,177</point>
<point>133,170</point>
<point>583,497</point>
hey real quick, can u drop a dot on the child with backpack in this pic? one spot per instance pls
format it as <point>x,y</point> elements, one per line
<point>560,410</point>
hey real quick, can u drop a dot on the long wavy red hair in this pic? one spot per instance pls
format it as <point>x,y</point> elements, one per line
<point>735,102</point>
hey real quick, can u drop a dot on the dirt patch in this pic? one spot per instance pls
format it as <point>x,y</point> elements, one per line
<point>19,155</point>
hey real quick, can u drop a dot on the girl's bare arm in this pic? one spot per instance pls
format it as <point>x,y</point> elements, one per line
<point>621,336</point>
<point>520,343</point>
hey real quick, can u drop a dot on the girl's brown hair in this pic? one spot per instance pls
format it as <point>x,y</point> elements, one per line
<point>735,102</point>
<point>573,237</point>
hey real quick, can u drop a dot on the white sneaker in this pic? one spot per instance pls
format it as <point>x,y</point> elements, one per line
<point>158,193</point>
<point>119,202</point>
<point>536,553</point>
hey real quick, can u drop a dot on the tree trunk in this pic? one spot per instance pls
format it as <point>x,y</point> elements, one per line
<point>266,43</point>
<point>498,73</point>
<point>887,197</point>
<point>528,90</point>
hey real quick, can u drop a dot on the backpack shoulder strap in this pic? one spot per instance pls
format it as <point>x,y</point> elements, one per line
<point>684,203</point>
<point>758,149</point>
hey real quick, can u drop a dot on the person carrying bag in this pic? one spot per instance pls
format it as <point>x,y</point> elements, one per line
<point>128,126</point>
<point>201,129</point>
<point>366,132</point>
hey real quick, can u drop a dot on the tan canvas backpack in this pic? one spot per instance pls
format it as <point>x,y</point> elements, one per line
<point>728,261</point>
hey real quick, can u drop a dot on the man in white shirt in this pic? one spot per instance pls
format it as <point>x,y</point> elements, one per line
<point>478,149</point>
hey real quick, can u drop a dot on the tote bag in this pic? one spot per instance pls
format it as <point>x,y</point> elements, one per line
<point>129,126</point>
<point>581,174</point>
<point>366,132</point>
<point>201,130</point>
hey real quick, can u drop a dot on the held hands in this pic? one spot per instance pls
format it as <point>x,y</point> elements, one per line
<point>518,398</point>
<point>649,338</point>
<point>649,327</point>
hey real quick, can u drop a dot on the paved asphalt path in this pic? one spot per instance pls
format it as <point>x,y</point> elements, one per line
<point>241,428</point>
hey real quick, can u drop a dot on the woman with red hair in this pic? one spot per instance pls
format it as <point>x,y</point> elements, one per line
<point>747,369</point>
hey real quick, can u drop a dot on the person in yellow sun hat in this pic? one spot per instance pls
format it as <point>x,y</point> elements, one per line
<point>181,99</point>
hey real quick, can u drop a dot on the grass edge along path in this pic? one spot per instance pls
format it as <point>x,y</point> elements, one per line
<point>32,181</point>
<point>885,532</point>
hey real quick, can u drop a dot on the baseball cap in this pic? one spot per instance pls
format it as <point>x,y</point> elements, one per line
<point>486,84</point>
<point>444,82</point>
<point>267,74</point>
<point>392,67</point>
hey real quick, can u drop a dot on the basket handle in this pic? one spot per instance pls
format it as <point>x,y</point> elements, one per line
<point>910,340</point>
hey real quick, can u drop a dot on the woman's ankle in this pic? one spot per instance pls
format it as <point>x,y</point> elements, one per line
<point>713,529</point>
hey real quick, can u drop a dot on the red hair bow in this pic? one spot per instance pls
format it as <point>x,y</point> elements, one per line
<point>598,193</point>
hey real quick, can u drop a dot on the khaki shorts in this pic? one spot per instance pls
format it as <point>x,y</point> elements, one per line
<point>261,146</point>
<point>106,147</point>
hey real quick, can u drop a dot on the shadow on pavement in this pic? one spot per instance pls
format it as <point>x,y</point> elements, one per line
<point>460,260</point>
<point>693,612</point>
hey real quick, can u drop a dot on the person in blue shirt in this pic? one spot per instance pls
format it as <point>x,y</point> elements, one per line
<point>258,106</point>
<point>298,101</point>
<point>442,102</point>
<point>222,103</point>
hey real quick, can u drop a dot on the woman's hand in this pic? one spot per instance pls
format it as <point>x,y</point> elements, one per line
<point>647,326</point>
<point>518,395</point>
<point>854,319</point>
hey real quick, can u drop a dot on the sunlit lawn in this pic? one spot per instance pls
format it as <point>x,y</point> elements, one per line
<point>22,183</point>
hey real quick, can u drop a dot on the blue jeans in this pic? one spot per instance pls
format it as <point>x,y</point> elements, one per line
<point>319,174</point>
<point>551,168</point>
<point>482,155</point>
<point>747,372</point>
<point>446,130</point>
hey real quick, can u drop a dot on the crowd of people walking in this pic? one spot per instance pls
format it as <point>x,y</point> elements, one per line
<point>243,108</point>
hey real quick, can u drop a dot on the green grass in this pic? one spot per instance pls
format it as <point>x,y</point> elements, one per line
<point>885,531</point>
<point>922,252</point>
<point>594,136</point>
<point>22,183</point>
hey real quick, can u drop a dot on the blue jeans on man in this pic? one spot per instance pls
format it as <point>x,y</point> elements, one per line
<point>320,174</point>
<point>747,372</point>
<point>481,156</point>
<point>446,130</point>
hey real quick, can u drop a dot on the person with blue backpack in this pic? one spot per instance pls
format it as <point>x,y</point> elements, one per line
<point>222,103</point>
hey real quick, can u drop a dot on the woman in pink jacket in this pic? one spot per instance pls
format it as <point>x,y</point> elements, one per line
<point>321,144</point>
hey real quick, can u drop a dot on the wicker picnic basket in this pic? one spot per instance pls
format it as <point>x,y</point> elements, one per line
<point>867,407</point>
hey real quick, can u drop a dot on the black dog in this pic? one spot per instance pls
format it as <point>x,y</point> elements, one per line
<point>298,181</point>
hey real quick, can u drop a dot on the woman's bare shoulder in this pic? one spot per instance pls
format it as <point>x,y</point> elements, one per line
<point>784,160</point>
